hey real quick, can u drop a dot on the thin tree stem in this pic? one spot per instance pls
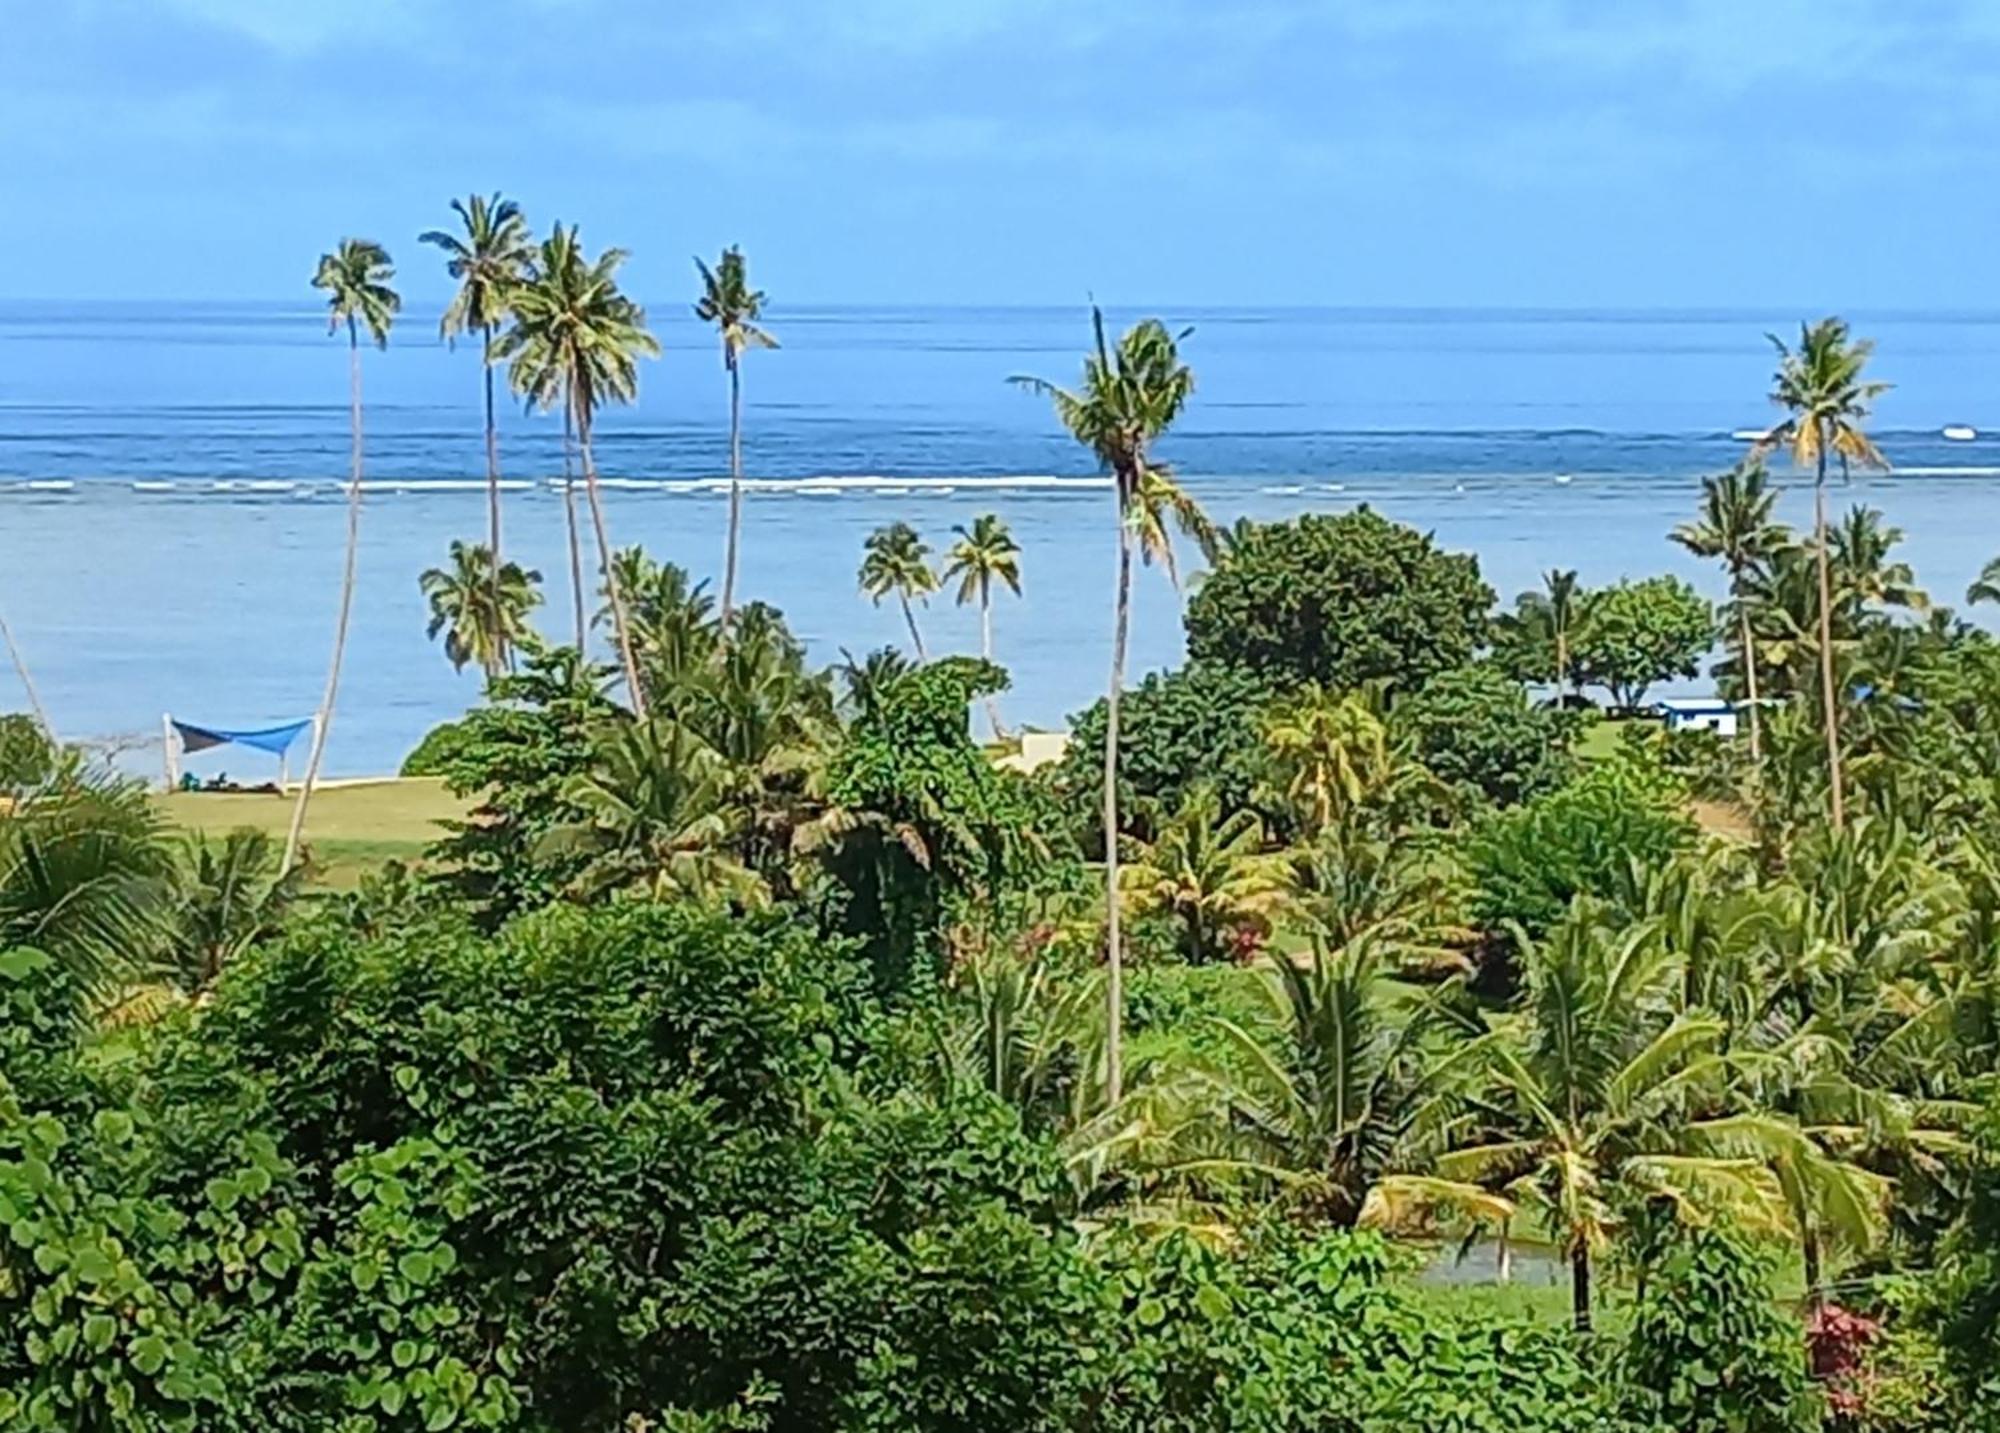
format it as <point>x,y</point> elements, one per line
<point>499,638</point>
<point>575,544</point>
<point>27,682</point>
<point>910,617</point>
<point>612,590</point>
<point>986,651</point>
<point>325,722</point>
<point>1827,693</point>
<point>735,491</point>
<point>1114,953</point>
<point>1579,1287</point>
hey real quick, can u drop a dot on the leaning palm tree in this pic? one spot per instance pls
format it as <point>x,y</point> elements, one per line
<point>481,609</point>
<point>577,340</point>
<point>896,560</point>
<point>27,682</point>
<point>984,553</point>
<point>1129,398</point>
<point>1735,526</point>
<point>355,278</point>
<point>487,259</point>
<point>1820,385</point>
<point>728,302</point>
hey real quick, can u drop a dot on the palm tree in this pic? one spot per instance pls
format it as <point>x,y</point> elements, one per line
<point>1821,388</point>
<point>1598,1078</point>
<point>1986,587</point>
<point>1208,873</point>
<point>1561,597</point>
<point>228,896</point>
<point>1127,400</point>
<point>1735,526</point>
<point>483,612</point>
<point>657,818</point>
<point>355,278</point>
<point>576,339</point>
<point>985,551</point>
<point>1347,1109</point>
<point>728,302</point>
<point>488,260</point>
<point>85,878</point>
<point>1332,752</point>
<point>896,560</point>
<point>1534,639</point>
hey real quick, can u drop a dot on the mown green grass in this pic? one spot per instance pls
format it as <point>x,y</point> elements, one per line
<point>350,830</point>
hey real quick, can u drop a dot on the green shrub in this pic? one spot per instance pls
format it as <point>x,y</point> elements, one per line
<point>1477,732</point>
<point>443,746</point>
<point>1342,600</point>
<point>1529,862</point>
<point>1709,1351</point>
<point>27,756</point>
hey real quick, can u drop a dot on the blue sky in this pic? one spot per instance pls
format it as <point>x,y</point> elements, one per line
<point>1800,154</point>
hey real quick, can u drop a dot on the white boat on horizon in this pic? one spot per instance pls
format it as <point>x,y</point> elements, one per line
<point>1960,432</point>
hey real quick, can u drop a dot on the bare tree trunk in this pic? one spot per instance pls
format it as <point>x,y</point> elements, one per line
<point>1750,681</point>
<point>500,660</point>
<point>1114,951</point>
<point>1826,687</point>
<point>1562,668</point>
<point>325,721</point>
<point>619,620</point>
<point>27,683</point>
<point>1504,1253</point>
<point>910,616</point>
<point>1579,1287</point>
<point>735,491</point>
<point>1815,1283</point>
<point>986,651</point>
<point>575,547</point>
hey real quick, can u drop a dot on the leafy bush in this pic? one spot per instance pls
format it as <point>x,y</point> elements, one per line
<point>27,756</point>
<point>1529,862</point>
<point>1342,600</point>
<point>1176,730</point>
<point>1709,1351</point>
<point>1476,730</point>
<point>443,746</point>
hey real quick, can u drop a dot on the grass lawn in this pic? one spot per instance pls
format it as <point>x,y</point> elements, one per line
<point>1602,739</point>
<point>349,829</point>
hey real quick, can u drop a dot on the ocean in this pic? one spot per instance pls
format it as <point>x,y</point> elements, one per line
<point>171,511</point>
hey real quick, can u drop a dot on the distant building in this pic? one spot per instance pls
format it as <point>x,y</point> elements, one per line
<point>1698,714</point>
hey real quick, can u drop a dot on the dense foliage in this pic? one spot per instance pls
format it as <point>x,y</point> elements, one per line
<point>1339,599</point>
<point>1477,731</point>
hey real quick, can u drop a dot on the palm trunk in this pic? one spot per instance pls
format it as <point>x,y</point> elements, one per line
<point>735,491</point>
<point>1504,1253</point>
<point>986,651</point>
<point>1750,682</point>
<point>1815,1287</point>
<point>1562,668</point>
<point>325,721</point>
<point>1579,1287</point>
<point>1826,687</point>
<point>910,616</point>
<point>575,546</point>
<point>493,505</point>
<point>27,683</point>
<point>619,620</point>
<point>1114,952</point>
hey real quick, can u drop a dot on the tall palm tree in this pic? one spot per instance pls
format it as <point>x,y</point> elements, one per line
<point>1129,397</point>
<point>896,560</point>
<point>487,259</point>
<point>1735,527</point>
<point>1820,385</point>
<point>1562,595</point>
<point>483,612</point>
<point>577,339</point>
<point>984,552</point>
<point>728,302</point>
<point>356,280</point>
